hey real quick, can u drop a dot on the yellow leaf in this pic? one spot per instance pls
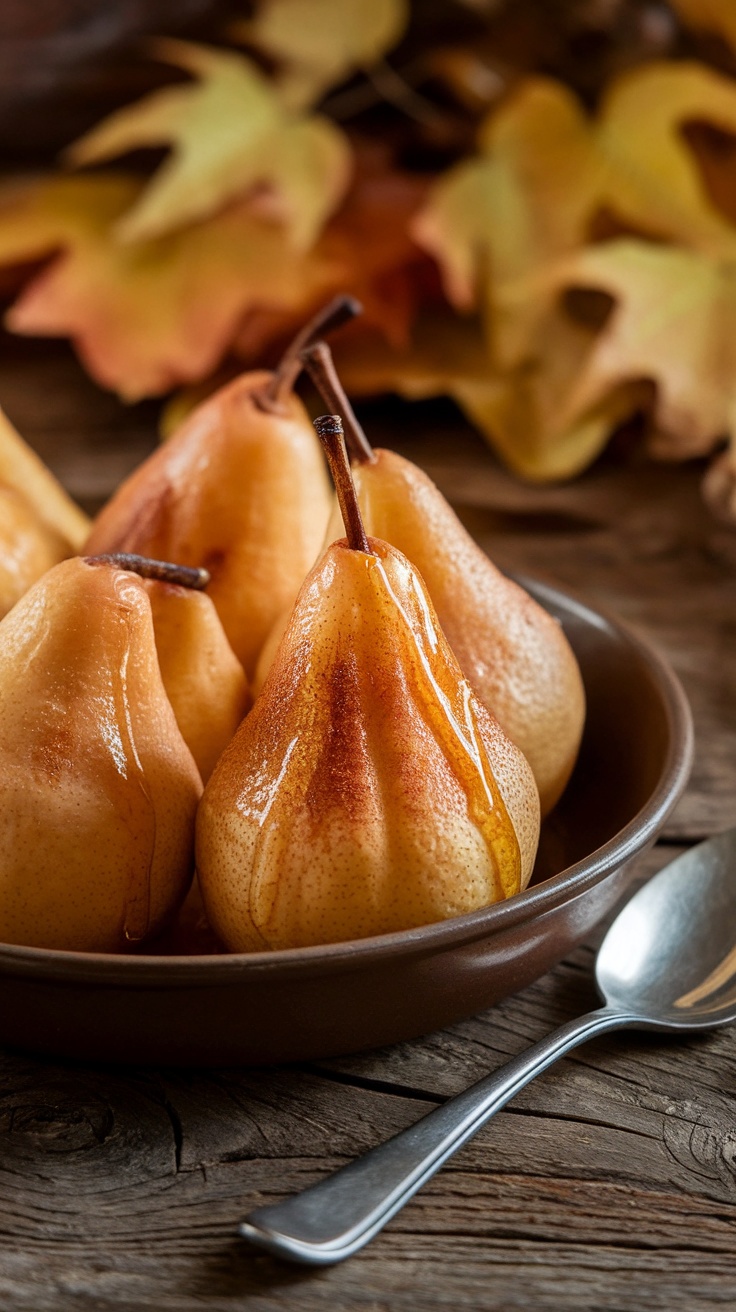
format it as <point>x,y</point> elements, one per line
<point>519,412</point>
<point>674,322</point>
<point>522,414</point>
<point>230,135</point>
<point>148,316</point>
<point>545,170</point>
<point>320,43</point>
<point>525,198</point>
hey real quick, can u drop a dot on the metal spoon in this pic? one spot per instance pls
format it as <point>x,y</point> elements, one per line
<point>668,962</point>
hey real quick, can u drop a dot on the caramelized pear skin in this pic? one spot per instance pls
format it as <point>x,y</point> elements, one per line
<point>98,790</point>
<point>512,651</point>
<point>238,490</point>
<point>368,790</point>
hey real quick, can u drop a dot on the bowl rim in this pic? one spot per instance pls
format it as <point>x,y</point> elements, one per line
<point>166,971</point>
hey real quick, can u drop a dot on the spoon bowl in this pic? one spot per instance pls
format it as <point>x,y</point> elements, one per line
<point>668,962</point>
<point>671,952</point>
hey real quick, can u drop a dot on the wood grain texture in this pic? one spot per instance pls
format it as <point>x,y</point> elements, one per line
<point>610,1182</point>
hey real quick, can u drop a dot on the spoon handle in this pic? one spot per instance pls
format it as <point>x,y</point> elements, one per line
<point>334,1218</point>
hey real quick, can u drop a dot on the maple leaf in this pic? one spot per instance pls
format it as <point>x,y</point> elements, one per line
<point>369,245</point>
<point>546,169</point>
<point>519,412</point>
<point>319,43</point>
<point>148,316</point>
<point>230,135</point>
<point>674,322</point>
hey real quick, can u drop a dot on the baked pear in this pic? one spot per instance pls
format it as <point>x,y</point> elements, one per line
<point>368,790</point>
<point>39,524</point>
<point>219,492</point>
<point>23,470</point>
<point>27,547</point>
<point>98,790</point>
<point>203,677</point>
<point>513,652</point>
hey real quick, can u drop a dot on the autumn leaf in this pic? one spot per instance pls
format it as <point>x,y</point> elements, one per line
<point>319,43</point>
<point>229,135</point>
<point>519,412</point>
<point>148,316</point>
<point>546,169</point>
<point>674,322</point>
<point>369,242</point>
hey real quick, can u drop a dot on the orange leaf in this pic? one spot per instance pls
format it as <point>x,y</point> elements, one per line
<point>369,246</point>
<point>146,317</point>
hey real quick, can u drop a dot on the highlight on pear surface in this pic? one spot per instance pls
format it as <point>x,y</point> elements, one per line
<point>368,790</point>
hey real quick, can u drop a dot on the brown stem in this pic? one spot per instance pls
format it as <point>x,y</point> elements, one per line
<point>340,310</point>
<point>184,575</point>
<point>330,434</point>
<point>320,366</point>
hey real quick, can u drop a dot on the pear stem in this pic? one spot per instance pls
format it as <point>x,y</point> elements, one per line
<point>163,570</point>
<point>320,366</point>
<point>340,310</point>
<point>330,434</point>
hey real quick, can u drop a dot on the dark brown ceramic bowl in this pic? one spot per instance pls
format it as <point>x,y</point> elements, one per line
<point>315,1002</point>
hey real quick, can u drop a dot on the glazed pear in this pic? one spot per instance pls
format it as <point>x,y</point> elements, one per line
<point>39,524</point>
<point>203,677</point>
<point>220,492</point>
<point>98,790</point>
<point>27,547</point>
<point>22,469</point>
<point>368,790</point>
<point>512,651</point>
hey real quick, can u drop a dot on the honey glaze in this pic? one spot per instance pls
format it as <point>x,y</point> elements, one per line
<point>363,793</point>
<point>449,706</point>
<point>133,802</point>
<point>139,816</point>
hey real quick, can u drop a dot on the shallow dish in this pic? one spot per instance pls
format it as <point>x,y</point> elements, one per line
<point>256,1008</point>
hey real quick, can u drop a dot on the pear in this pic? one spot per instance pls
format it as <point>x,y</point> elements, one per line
<point>27,547</point>
<point>513,652</point>
<point>368,790</point>
<point>22,469</point>
<point>203,677</point>
<point>220,491</point>
<point>98,790</point>
<point>39,524</point>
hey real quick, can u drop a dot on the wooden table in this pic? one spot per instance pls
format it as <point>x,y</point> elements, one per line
<point>609,1183</point>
